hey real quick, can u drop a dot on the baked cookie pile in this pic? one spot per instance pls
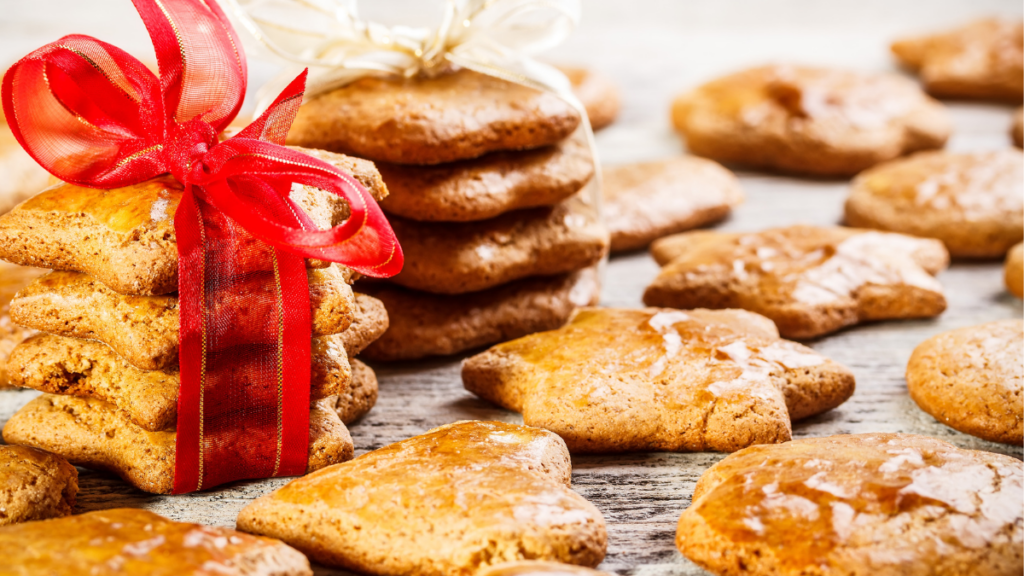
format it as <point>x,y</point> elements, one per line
<point>485,181</point>
<point>104,349</point>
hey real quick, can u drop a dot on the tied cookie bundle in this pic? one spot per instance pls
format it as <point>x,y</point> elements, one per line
<point>198,322</point>
<point>487,154</point>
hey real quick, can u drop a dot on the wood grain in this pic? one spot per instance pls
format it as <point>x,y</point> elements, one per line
<point>641,495</point>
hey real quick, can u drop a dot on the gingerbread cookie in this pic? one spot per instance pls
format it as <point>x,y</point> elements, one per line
<point>618,380</point>
<point>20,176</point>
<point>648,200</point>
<point>809,280</point>
<point>809,120</point>
<point>132,541</point>
<point>94,434</point>
<point>539,568</point>
<point>143,330</point>
<point>972,380</point>
<point>124,237</point>
<point>149,398</point>
<point>35,485</point>
<point>598,94</point>
<point>983,59</point>
<point>455,500</point>
<point>445,258</point>
<point>453,116</point>
<point>972,202</point>
<point>438,325</point>
<point>879,504</point>
<point>370,323</point>
<point>12,279</point>
<point>360,396</point>
<point>488,186</point>
<point>1013,273</point>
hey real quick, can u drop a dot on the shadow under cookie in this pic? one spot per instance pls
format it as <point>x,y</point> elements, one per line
<point>618,380</point>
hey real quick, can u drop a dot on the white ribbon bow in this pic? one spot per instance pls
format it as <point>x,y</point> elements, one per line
<point>493,37</point>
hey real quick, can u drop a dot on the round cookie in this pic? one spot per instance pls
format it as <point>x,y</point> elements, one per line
<point>598,94</point>
<point>857,505</point>
<point>35,485</point>
<point>972,202</point>
<point>972,380</point>
<point>808,120</point>
<point>648,200</point>
<point>1013,272</point>
<point>539,568</point>
<point>488,186</point>
<point>983,59</point>
<point>454,116</point>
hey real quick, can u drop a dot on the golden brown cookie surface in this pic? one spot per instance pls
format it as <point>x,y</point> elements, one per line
<point>617,380</point>
<point>648,200</point>
<point>124,237</point>
<point>1013,273</point>
<point>447,258</point>
<point>488,186</point>
<point>371,321</point>
<point>149,398</point>
<point>971,202</point>
<point>809,120</point>
<point>481,493</point>
<point>1017,129</point>
<point>598,94</point>
<point>35,485</point>
<point>983,59</point>
<point>94,434</point>
<point>143,330</point>
<point>135,542</point>
<point>12,279</point>
<point>880,504</point>
<point>454,116</point>
<point>972,380</point>
<point>809,280</point>
<point>439,324</point>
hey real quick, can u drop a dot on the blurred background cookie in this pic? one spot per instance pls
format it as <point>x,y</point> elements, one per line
<point>809,280</point>
<point>648,200</point>
<point>972,380</point>
<point>808,120</point>
<point>598,94</point>
<point>1013,271</point>
<point>12,279</point>
<point>972,202</point>
<point>983,59</point>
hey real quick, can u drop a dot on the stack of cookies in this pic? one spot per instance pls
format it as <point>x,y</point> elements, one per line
<point>106,356</point>
<point>487,197</point>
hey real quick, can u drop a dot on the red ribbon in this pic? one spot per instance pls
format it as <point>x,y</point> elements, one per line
<point>93,115</point>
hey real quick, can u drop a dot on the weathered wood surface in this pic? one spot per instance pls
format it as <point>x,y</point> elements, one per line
<point>654,52</point>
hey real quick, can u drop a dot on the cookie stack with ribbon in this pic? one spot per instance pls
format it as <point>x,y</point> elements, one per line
<point>487,155</point>
<point>198,322</point>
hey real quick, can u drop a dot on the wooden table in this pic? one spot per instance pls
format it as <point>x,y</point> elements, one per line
<point>653,54</point>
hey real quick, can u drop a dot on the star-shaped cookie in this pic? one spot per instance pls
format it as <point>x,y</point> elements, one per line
<point>452,501</point>
<point>809,280</point>
<point>615,380</point>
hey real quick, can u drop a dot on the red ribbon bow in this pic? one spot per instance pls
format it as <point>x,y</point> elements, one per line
<point>93,115</point>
